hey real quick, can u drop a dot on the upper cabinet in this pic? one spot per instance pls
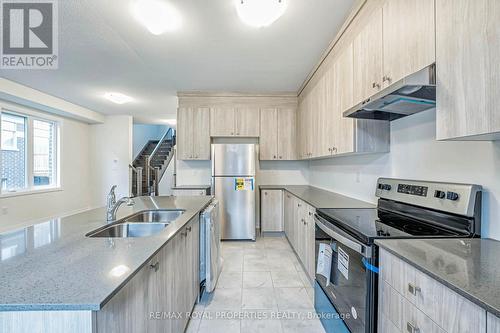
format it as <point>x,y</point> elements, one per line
<point>368,58</point>
<point>232,121</point>
<point>468,69</point>
<point>193,134</point>
<point>278,134</point>
<point>408,38</point>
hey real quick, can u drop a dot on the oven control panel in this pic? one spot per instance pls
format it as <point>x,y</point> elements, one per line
<point>449,197</point>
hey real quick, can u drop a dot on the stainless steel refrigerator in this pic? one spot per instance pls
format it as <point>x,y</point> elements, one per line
<point>233,184</point>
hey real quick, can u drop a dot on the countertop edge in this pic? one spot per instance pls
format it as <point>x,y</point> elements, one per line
<point>102,304</point>
<point>455,288</point>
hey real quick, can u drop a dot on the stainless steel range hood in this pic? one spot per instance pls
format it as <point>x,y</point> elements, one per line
<point>415,93</point>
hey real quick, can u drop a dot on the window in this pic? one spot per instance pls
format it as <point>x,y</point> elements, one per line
<point>28,152</point>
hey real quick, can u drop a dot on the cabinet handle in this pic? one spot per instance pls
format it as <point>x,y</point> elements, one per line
<point>274,156</point>
<point>155,266</point>
<point>265,193</point>
<point>376,85</point>
<point>281,157</point>
<point>386,78</point>
<point>412,328</point>
<point>310,214</point>
<point>413,289</point>
<point>188,229</point>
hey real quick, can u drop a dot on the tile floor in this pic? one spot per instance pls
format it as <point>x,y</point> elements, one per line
<point>262,288</point>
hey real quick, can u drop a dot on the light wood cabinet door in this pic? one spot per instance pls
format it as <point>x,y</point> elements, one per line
<point>415,320</point>
<point>287,134</point>
<point>288,214</point>
<point>268,134</point>
<point>408,37</point>
<point>247,122</point>
<point>193,261</point>
<point>222,121</point>
<point>493,324</point>
<point>343,90</point>
<point>271,210</point>
<point>295,229</point>
<point>201,133</point>
<point>368,61</point>
<point>185,134</point>
<point>468,69</point>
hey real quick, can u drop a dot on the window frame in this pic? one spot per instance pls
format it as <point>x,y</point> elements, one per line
<point>31,115</point>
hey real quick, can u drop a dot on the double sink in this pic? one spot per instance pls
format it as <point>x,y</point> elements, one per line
<point>142,224</point>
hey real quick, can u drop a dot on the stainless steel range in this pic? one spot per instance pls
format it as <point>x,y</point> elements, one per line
<point>347,258</point>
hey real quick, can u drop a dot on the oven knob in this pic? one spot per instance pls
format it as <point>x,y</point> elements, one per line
<point>385,187</point>
<point>452,196</point>
<point>440,194</point>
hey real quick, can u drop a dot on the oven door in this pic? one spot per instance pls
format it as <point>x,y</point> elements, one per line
<point>349,284</point>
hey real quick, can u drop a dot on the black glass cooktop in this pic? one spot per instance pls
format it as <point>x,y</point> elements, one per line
<point>369,224</point>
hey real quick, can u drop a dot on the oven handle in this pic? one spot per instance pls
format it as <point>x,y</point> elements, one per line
<point>343,238</point>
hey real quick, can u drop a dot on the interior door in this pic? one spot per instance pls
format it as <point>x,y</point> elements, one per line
<point>268,136</point>
<point>237,208</point>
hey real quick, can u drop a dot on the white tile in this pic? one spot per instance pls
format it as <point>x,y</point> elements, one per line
<point>261,326</point>
<point>255,263</point>
<point>302,326</point>
<point>257,280</point>
<point>259,298</point>
<point>233,263</point>
<point>293,298</point>
<point>219,326</point>
<point>230,279</point>
<point>281,264</point>
<point>286,279</point>
<point>223,299</point>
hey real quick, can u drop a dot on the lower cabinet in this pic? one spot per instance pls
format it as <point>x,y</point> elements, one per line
<point>271,210</point>
<point>299,228</point>
<point>412,301</point>
<point>167,284</point>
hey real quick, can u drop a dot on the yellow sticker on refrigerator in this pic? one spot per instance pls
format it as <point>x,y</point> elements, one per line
<point>243,184</point>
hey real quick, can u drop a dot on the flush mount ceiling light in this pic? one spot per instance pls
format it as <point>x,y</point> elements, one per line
<point>118,98</point>
<point>156,15</point>
<point>260,13</point>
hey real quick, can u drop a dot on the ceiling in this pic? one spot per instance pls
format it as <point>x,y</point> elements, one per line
<point>102,48</point>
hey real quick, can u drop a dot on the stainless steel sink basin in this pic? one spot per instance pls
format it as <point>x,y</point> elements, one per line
<point>124,230</point>
<point>155,216</point>
<point>142,224</point>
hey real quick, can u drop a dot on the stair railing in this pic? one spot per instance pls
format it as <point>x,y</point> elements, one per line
<point>154,173</point>
<point>138,180</point>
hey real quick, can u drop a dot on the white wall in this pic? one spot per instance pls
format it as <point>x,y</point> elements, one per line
<point>416,155</point>
<point>111,153</point>
<point>75,181</point>
<point>143,133</point>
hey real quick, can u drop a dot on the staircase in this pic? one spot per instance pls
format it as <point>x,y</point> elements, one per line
<point>150,165</point>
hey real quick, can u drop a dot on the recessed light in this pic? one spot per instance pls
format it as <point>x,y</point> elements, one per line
<point>156,15</point>
<point>118,98</point>
<point>260,13</point>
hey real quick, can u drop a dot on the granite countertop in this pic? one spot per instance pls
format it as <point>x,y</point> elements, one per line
<point>53,266</point>
<point>468,266</point>
<point>319,198</point>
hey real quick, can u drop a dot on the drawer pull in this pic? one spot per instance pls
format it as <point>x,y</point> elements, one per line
<point>413,289</point>
<point>411,328</point>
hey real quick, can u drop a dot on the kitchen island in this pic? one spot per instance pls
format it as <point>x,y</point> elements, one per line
<point>53,275</point>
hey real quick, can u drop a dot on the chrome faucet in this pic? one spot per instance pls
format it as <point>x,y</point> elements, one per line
<point>113,205</point>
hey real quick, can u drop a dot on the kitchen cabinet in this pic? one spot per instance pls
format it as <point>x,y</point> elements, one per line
<point>168,283</point>
<point>468,79</point>
<point>278,134</point>
<point>271,211</point>
<point>367,57</point>
<point>299,227</point>
<point>305,128</point>
<point>222,121</point>
<point>493,323</point>
<point>408,37</point>
<point>232,121</point>
<point>427,304</point>
<point>193,133</point>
